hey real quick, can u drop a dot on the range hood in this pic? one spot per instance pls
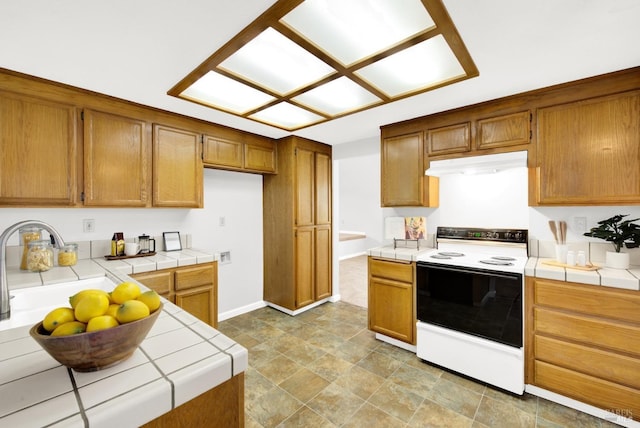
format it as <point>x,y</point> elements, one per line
<point>486,164</point>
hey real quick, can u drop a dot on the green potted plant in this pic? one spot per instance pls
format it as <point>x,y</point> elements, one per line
<point>620,233</point>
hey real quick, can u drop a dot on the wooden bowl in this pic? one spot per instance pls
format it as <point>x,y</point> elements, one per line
<point>96,350</point>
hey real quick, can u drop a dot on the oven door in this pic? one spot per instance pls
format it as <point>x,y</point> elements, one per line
<point>479,302</point>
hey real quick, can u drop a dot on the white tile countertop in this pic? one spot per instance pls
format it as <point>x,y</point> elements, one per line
<point>180,358</point>
<point>399,253</point>
<point>628,279</point>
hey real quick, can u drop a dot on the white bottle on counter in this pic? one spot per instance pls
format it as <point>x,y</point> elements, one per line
<point>582,259</point>
<point>571,258</point>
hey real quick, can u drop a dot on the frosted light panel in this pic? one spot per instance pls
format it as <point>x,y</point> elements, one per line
<point>219,91</point>
<point>425,64</point>
<point>338,96</point>
<point>276,63</point>
<point>286,116</point>
<point>355,29</point>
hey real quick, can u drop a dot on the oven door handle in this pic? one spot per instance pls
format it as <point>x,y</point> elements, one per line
<point>513,276</point>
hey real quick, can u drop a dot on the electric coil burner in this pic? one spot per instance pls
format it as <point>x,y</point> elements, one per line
<point>470,304</point>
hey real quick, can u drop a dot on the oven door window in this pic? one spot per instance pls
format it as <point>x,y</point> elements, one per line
<point>483,303</point>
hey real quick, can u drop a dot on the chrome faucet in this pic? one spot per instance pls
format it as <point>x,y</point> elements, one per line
<point>5,306</point>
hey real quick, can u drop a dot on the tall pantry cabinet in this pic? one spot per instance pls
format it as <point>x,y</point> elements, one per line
<point>297,226</point>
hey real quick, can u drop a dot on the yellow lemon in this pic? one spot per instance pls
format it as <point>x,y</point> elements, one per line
<point>151,299</point>
<point>92,305</point>
<point>68,328</point>
<point>125,291</point>
<point>132,310</point>
<point>73,300</point>
<point>112,309</point>
<point>57,317</point>
<point>102,322</point>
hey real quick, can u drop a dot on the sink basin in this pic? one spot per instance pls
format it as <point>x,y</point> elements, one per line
<point>30,305</point>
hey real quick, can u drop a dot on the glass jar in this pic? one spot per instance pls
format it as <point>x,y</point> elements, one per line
<point>40,256</point>
<point>28,234</point>
<point>68,254</point>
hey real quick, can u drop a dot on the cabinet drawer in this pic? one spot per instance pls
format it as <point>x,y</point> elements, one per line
<point>614,367</point>
<point>601,301</point>
<point>585,388</point>
<point>398,271</point>
<point>194,277</point>
<point>160,281</point>
<point>614,335</point>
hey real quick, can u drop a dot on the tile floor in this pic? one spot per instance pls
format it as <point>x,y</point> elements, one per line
<point>323,368</point>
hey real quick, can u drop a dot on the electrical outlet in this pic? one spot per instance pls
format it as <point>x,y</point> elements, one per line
<point>225,257</point>
<point>88,225</point>
<point>221,221</point>
<point>580,224</point>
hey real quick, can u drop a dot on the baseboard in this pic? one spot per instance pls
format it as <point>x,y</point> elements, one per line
<point>242,310</point>
<point>350,256</point>
<point>620,419</point>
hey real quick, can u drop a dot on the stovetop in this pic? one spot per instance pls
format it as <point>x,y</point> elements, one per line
<point>502,250</point>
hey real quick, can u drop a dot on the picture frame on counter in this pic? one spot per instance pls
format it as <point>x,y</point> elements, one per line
<point>172,241</point>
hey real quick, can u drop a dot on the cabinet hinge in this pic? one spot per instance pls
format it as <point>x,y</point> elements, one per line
<point>530,117</point>
<point>530,134</point>
<point>82,196</point>
<point>82,115</point>
<point>295,151</point>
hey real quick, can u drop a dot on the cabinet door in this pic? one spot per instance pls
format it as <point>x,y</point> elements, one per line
<point>304,266</point>
<point>199,302</point>
<point>449,139</point>
<point>402,172</point>
<point>589,152</point>
<point>117,160</point>
<point>504,131</point>
<point>160,281</point>
<point>391,308</point>
<point>197,276</point>
<point>37,152</point>
<point>222,152</point>
<point>322,189</point>
<point>260,155</point>
<point>305,187</point>
<point>323,262</point>
<point>177,168</point>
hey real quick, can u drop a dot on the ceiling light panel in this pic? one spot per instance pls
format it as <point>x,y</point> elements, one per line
<point>222,92</point>
<point>276,63</point>
<point>424,65</point>
<point>287,116</point>
<point>337,97</point>
<point>355,29</point>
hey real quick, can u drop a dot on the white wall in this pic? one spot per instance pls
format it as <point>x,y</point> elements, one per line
<point>236,196</point>
<point>358,190</point>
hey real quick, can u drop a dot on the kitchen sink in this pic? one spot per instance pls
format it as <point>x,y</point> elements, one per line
<point>30,305</point>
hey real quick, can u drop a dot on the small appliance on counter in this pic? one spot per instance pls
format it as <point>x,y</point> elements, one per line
<point>145,244</point>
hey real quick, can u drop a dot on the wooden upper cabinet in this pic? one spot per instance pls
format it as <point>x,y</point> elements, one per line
<point>402,173</point>
<point>177,168</point>
<point>305,187</point>
<point>38,147</point>
<point>449,139</point>
<point>117,160</point>
<point>223,152</point>
<point>239,151</point>
<point>260,154</point>
<point>323,188</point>
<point>504,131</point>
<point>589,152</point>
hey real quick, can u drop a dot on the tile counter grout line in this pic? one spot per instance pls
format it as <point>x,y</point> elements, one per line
<point>76,392</point>
<point>173,388</point>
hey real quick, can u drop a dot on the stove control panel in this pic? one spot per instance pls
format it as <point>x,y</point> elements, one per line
<point>518,236</point>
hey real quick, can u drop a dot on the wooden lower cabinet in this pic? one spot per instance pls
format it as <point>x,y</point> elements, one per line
<point>193,288</point>
<point>583,342</point>
<point>220,407</point>
<point>392,291</point>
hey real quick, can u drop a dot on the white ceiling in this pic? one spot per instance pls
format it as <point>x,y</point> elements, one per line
<point>138,49</point>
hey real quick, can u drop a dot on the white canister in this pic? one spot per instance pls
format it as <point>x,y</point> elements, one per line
<point>571,258</point>
<point>582,258</point>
